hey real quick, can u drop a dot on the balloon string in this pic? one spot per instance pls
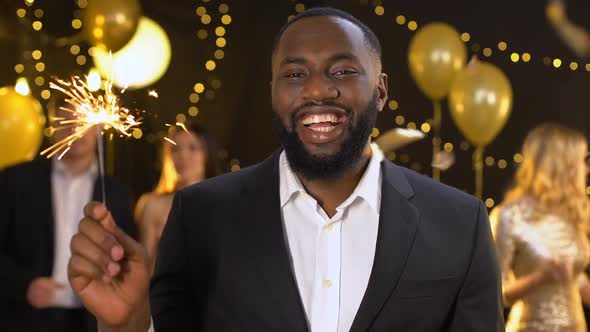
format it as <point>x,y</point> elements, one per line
<point>478,167</point>
<point>436,140</point>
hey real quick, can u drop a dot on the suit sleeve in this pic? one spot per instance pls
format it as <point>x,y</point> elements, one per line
<point>172,294</point>
<point>479,303</point>
<point>15,279</point>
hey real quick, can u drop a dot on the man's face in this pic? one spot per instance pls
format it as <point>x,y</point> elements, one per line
<point>327,87</point>
<point>84,146</point>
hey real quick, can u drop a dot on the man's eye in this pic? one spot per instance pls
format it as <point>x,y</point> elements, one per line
<point>295,75</point>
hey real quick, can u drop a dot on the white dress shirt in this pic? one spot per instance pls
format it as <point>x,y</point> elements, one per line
<point>332,257</point>
<point>70,194</point>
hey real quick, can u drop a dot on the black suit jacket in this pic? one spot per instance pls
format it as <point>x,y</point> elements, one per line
<point>27,238</point>
<point>224,264</point>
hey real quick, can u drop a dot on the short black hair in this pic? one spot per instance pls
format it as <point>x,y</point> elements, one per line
<point>370,38</point>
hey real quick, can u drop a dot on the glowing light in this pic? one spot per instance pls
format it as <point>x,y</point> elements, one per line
<point>557,63</point>
<point>393,105</point>
<point>448,147</point>
<point>19,68</point>
<point>487,52</point>
<point>199,88</point>
<point>219,54</point>
<point>425,127</point>
<point>206,19</point>
<point>490,203</point>
<point>45,94</point>
<point>220,42</point>
<point>226,19</point>
<point>143,61</point>
<point>210,65</point>
<point>574,65</point>
<point>399,120</point>
<point>137,133</point>
<point>153,93</point>
<point>201,11</point>
<point>514,57</point>
<point>502,46</point>
<point>93,80</point>
<point>223,8</point>
<point>400,19</point>
<point>81,60</point>
<point>220,31</point>
<point>76,24</point>
<point>465,36</point>
<point>379,10</point>
<point>194,98</point>
<point>22,86</point>
<point>375,132</point>
<point>526,57</point>
<point>37,54</point>
<point>412,25</point>
<point>37,25</point>
<point>193,111</point>
<point>39,80</point>
<point>21,12</point>
<point>502,164</point>
<point>88,109</point>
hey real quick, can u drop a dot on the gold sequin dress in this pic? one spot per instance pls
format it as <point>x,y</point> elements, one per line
<point>524,239</point>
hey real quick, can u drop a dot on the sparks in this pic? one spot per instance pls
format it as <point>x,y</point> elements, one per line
<point>169,140</point>
<point>154,94</point>
<point>89,109</point>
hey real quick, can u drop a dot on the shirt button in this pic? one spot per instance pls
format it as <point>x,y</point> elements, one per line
<point>327,283</point>
<point>329,226</point>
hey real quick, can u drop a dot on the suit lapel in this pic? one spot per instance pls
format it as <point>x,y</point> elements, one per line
<point>398,221</point>
<point>263,201</point>
<point>46,213</point>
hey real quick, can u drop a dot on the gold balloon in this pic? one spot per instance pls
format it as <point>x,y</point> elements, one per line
<point>435,56</point>
<point>110,24</point>
<point>480,101</point>
<point>21,127</point>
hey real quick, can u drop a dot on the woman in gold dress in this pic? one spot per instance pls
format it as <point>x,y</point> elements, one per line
<point>190,160</point>
<point>540,233</point>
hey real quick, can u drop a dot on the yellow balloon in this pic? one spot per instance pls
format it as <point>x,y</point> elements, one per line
<point>21,127</point>
<point>141,62</point>
<point>480,101</point>
<point>435,55</point>
<point>110,24</point>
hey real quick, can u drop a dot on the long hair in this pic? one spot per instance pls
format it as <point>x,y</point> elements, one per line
<point>553,173</point>
<point>168,181</point>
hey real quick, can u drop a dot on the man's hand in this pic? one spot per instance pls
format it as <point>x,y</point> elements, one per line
<point>42,291</point>
<point>109,271</point>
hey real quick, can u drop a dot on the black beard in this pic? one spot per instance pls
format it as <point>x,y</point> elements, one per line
<point>329,167</point>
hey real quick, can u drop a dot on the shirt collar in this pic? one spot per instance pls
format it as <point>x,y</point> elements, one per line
<point>59,167</point>
<point>369,187</point>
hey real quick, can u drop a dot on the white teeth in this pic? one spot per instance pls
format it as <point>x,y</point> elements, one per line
<point>324,129</point>
<point>319,118</point>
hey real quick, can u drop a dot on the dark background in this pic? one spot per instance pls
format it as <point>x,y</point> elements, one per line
<point>239,113</point>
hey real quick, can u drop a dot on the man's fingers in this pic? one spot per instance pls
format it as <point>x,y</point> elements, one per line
<point>102,238</point>
<point>83,246</point>
<point>79,266</point>
<point>132,248</point>
<point>95,210</point>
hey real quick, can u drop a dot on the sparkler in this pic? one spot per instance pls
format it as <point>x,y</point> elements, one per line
<point>89,109</point>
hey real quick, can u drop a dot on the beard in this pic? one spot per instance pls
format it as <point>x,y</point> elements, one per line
<point>329,167</point>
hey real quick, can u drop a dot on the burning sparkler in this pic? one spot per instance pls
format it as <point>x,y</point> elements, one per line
<point>89,109</point>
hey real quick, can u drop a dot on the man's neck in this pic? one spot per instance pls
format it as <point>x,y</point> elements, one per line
<point>78,165</point>
<point>332,193</point>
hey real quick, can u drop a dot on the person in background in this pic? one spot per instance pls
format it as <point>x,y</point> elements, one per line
<point>541,233</point>
<point>192,159</point>
<point>40,208</point>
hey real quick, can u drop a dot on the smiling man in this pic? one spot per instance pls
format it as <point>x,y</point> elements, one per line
<point>324,236</point>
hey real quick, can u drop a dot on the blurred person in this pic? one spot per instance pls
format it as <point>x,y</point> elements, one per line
<point>192,159</point>
<point>541,233</point>
<point>40,209</point>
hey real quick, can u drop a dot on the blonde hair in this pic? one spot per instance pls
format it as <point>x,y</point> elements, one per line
<point>552,173</point>
<point>168,182</point>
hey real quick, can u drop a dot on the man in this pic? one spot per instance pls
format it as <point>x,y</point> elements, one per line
<point>40,209</point>
<point>323,236</point>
